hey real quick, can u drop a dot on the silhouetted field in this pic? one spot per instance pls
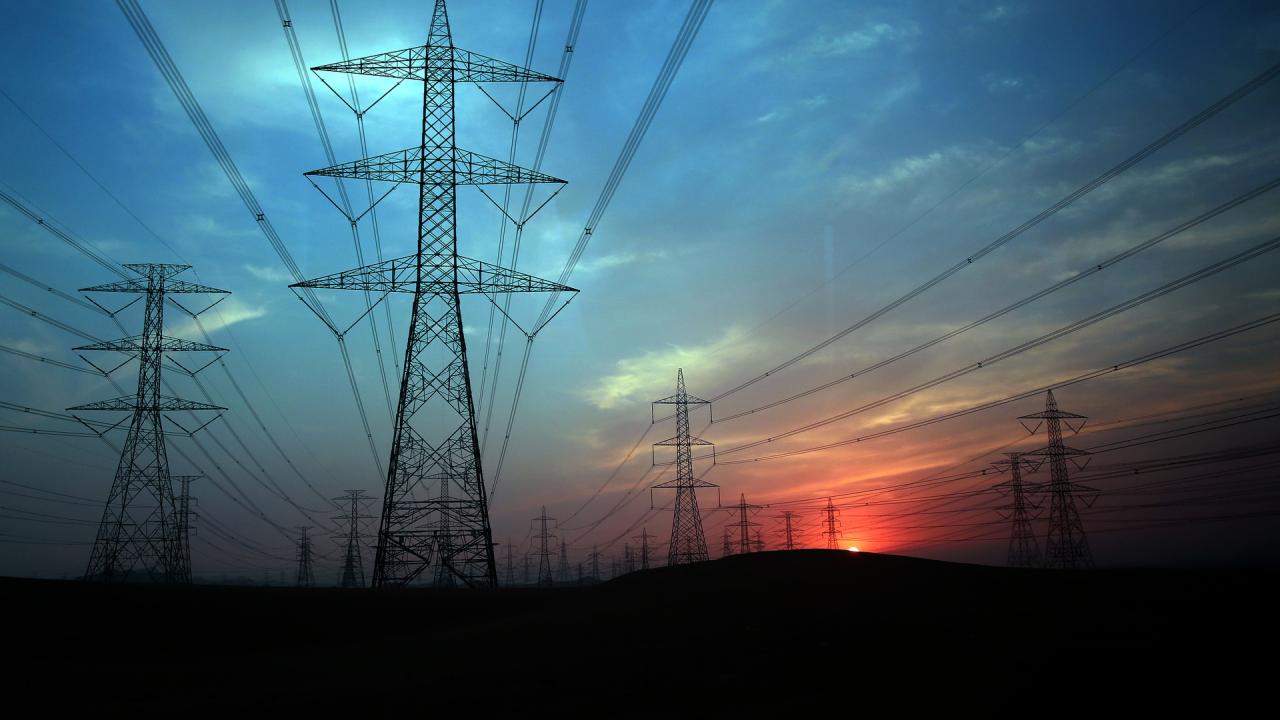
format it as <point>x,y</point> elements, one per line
<point>764,632</point>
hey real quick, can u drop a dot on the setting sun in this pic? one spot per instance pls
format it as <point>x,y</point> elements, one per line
<point>853,548</point>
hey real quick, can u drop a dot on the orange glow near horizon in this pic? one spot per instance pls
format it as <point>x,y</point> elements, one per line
<point>854,548</point>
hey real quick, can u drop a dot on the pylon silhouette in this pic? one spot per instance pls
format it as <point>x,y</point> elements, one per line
<point>688,541</point>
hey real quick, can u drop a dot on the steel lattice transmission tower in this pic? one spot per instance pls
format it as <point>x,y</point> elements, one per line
<point>688,541</point>
<point>727,548</point>
<point>1065,546</point>
<point>185,514</point>
<point>544,536</point>
<point>562,568</point>
<point>643,537</point>
<point>1024,551</point>
<point>353,561</point>
<point>744,523</point>
<point>143,532</point>
<point>304,576</point>
<point>788,530</point>
<point>509,579</point>
<point>435,368</point>
<point>831,525</point>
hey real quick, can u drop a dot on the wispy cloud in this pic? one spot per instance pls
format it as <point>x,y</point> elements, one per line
<point>867,37</point>
<point>269,274</point>
<point>227,313</point>
<point>653,373</point>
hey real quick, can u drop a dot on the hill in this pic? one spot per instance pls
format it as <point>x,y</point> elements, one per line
<point>752,631</point>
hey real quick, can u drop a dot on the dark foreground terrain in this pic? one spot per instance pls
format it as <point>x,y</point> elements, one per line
<point>769,633</point>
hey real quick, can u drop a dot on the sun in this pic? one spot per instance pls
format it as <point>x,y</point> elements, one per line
<point>854,548</point>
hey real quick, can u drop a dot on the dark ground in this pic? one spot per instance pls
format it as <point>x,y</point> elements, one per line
<point>768,633</point>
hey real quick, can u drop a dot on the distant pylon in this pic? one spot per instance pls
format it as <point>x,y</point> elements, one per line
<point>727,549</point>
<point>527,577</point>
<point>543,536</point>
<point>434,437</point>
<point>759,541</point>
<point>510,578</point>
<point>744,523</point>
<point>562,569</point>
<point>353,561</point>
<point>788,530</point>
<point>185,514</point>
<point>1024,551</point>
<point>628,559</point>
<point>304,577</point>
<point>141,535</point>
<point>595,564</point>
<point>1065,545</point>
<point>644,548</point>
<point>688,541</point>
<point>831,526</point>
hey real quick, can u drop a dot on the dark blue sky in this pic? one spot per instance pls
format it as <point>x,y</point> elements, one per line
<point>796,143</point>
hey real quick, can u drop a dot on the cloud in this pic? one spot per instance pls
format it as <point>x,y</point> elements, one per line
<point>806,104</point>
<point>228,312</point>
<point>653,373</point>
<point>272,275</point>
<point>1001,83</point>
<point>868,37</point>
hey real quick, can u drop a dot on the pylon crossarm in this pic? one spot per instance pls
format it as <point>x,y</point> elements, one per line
<point>411,64</point>
<point>167,344</point>
<point>139,285</point>
<point>672,441</point>
<point>435,166</point>
<point>677,399</point>
<point>401,275</point>
<point>129,402</point>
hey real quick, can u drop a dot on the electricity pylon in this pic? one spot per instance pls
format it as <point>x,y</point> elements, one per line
<point>142,534</point>
<point>353,561</point>
<point>759,541</point>
<point>442,448</point>
<point>688,541</point>
<point>744,523</point>
<point>543,536</point>
<point>1024,551</point>
<point>185,515</point>
<point>1065,546</point>
<point>628,559</point>
<point>643,537</point>
<point>727,548</point>
<point>562,568</point>
<point>831,526</point>
<point>304,576</point>
<point>595,564</point>
<point>788,530</point>
<point>510,578</point>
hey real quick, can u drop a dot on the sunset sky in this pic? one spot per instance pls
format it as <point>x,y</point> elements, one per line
<point>812,163</point>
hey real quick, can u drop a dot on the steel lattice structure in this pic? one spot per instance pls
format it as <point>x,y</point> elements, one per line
<point>353,560</point>
<point>1024,551</point>
<point>1065,544</point>
<point>449,531</point>
<point>744,524</point>
<point>788,530</point>
<point>831,525</point>
<point>304,577</point>
<point>143,532</point>
<point>643,537</point>
<point>688,541</point>
<point>544,536</point>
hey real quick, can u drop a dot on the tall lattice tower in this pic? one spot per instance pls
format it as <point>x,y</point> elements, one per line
<point>831,525</point>
<point>1065,546</point>
<point>595,563</point>
<point>643,537</point>
<point>509,578</point>
<point>304,576</point>
<point>688,541</point>
<point>142,535</point>
<point>355,502</point>
<point>758,544</point>
<point>562,567</point>
<point>1024,551</point>
<point>788,530</point>
<point>544,536</point>
<point>726,549</point>
<point>186,528</point>
<point>440,448</point>
<point>744,523</point>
